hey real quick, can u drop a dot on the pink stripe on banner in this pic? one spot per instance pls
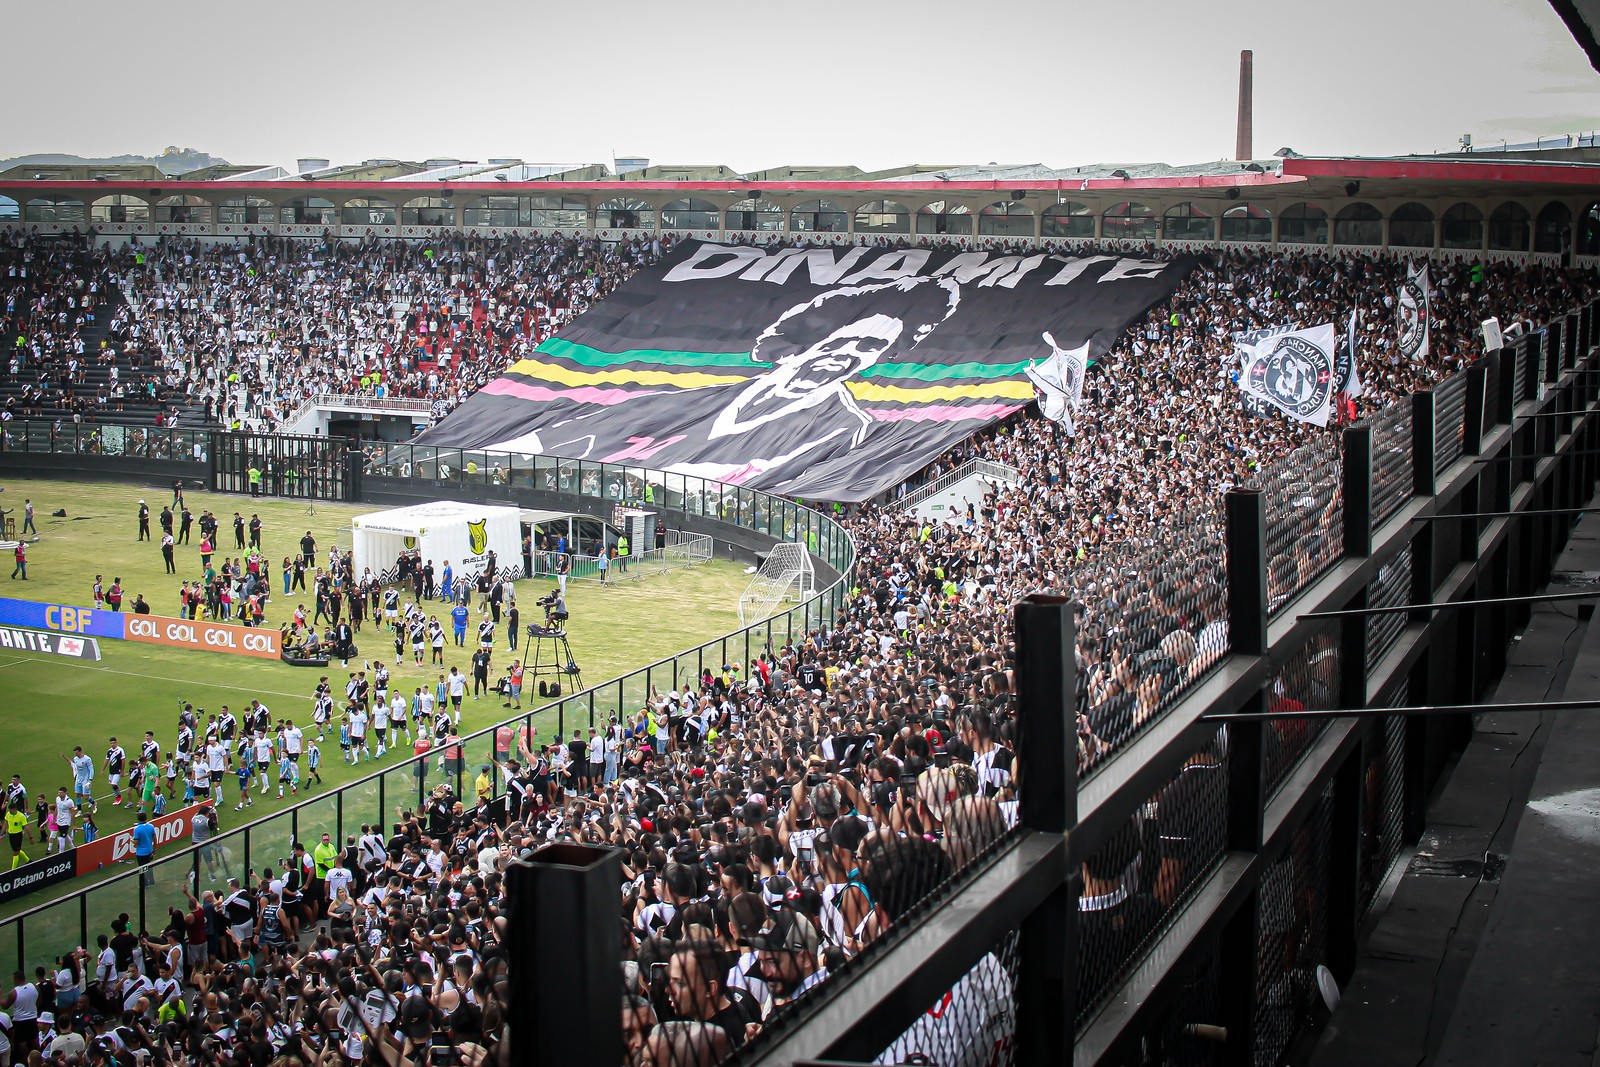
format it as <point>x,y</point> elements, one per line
<point>584,394</point>
<point>943,413</point>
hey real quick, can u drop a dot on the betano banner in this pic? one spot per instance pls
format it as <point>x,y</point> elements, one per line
<point>822,373</point>
<point>118,847</point>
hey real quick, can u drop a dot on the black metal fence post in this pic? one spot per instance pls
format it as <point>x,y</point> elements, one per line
<point>1245,510</point>
<point>1423,439</point>
<point>1048,761</point>
<point>1477,384</point>
<point>564,906</point>
<point>1358,492</point>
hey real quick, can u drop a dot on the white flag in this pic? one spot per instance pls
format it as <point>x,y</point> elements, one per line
<point>1059,381</point>
<point>1294,372</point>
<point>1416,313</point>
<point>1350,367</point>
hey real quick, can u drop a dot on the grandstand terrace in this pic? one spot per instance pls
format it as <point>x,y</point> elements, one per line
<point>878,797</point>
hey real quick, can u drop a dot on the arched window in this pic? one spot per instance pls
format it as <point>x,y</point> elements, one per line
<point>940,217</point>
<point>556,212</point>
<point>183,208</point>
<point>1411,226</point>
<point>1461,226</point>
<point>625,213</point>
<point>1552,230</point>
<point>1188,222</point>
<point>368,211</point>
<point>1247,222</point>
<point>119,208</point>
<point>62,209</point>
<point>308,211</point>
<point>755,214</point>
<point>1358,224</point>
<point>1128,220</point>
<point>1303,224</point>
<point>818,216</point>
<point>245,210</point>
<point>432,211</point>
<point>1067,220</point>
<point>1006,218</point>
<point>1510,227</point>
<point>883,216</point>
<point>10,210</point>
<point>690,215</point>
<point>1588,237</point>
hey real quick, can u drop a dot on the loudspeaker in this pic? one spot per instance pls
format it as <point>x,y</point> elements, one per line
<point>1352,188</point>
<point>1018,194</point>
<point>1233,192</point>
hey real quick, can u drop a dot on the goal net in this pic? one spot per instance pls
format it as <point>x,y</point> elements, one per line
<point>785,575</point>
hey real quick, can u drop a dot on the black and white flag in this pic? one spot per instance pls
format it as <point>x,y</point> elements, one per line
<point>1294,373</point>
<point>1415,313</point>
<point>1349,383</point>
<point>1059,381</point>
<point>1244,345</point>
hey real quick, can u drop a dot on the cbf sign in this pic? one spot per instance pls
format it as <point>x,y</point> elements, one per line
<point>261,642</point>
<point>61,618</point>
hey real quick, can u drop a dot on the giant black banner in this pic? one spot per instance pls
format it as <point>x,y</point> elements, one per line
<point>823,373</point>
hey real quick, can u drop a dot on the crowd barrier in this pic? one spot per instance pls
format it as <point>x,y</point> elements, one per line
<point>259,641</point>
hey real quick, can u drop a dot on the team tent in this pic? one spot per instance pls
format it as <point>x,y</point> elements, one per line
<point>463,534</point>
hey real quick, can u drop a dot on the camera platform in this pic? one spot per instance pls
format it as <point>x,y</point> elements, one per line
<point>552,657</point>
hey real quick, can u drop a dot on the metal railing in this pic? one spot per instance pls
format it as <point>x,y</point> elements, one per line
<point>998,472</point>
<point>1121,948</point>
<point>50,929</point>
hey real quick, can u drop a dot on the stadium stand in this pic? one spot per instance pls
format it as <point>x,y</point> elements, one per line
<point>776,817</point>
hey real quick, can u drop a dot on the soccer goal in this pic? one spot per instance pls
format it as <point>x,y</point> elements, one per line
<point>785,575</point>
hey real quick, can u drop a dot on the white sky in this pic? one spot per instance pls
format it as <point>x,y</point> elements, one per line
<point>870,82</point>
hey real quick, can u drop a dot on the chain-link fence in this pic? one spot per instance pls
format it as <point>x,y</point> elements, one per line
<point>1449,420</point>
<point>1132,883</point>
<point>1392,479</point>
<point>1390,588</point>
<point>1292,938</point>
<point>1305,518</point>
<point>1307,682</point>
<point>1154,622</point>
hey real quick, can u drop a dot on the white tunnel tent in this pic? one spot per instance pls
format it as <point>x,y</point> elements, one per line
<point>463,534</point>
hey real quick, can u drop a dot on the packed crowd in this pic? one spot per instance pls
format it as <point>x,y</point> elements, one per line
<point>778,817</point>
<point>255,330</point>
<point>53,293</point>
<point>245,333</point>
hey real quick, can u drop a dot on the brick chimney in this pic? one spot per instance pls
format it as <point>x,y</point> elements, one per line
<point>1246,130</point>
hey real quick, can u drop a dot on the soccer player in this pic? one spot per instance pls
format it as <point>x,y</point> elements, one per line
<point>82,774</point>
<point>116,763</point>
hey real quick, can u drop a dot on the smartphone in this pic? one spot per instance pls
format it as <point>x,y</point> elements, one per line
<point>441,1051</point>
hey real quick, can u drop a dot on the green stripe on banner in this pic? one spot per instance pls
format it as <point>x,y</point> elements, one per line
<point>938,372</point>
<point>924,372</point>
<point>593,357</point>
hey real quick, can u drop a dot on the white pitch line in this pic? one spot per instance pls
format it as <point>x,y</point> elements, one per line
<point>69,662</point>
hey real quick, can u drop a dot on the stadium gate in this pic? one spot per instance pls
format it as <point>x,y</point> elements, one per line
<point>309,468</point>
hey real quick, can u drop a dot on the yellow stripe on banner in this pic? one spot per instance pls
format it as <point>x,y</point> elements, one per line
<point>680,379</point>
<point>1010,390</point>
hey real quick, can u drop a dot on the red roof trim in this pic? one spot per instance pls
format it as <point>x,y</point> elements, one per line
<point>410,189</point>
<point>1447,170</point>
